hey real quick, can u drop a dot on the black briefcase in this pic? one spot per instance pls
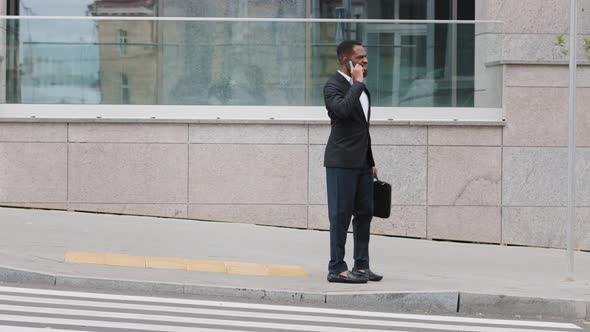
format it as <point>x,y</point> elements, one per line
<point>381,198</point>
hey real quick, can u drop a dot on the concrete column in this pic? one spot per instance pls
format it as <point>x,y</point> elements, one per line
<point>488,49</point>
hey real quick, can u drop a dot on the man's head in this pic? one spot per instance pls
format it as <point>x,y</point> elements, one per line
<point>352,50</point>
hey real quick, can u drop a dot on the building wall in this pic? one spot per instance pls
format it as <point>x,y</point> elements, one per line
<point>534,154</point>
<point>449,182</point>
<point>531,27</point>
<point>470,183</point>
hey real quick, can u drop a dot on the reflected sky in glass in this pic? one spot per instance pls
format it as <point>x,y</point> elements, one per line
<point>59,59</point>
<point>55,31</point>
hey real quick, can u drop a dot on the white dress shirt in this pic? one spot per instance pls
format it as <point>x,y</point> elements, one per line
<point>364,99</point>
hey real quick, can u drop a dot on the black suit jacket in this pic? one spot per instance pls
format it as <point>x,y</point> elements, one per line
<point>349,144</point>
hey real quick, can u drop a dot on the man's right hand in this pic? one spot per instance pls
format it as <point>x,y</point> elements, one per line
<point>357,73</point>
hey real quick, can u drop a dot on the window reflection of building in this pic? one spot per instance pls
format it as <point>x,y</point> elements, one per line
<point>234,63</point>
<point>125,89</point>
<point>278,63</point>
<point>122,42</point>
<point>414,64</point>
<point>274,63</point>
<point>47,64</point>
<point>128,51</point>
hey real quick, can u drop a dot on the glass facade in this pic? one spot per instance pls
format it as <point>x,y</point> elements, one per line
<point>185,62</point>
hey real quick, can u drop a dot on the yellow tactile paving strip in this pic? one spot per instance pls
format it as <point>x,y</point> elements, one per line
<point>184,264</point>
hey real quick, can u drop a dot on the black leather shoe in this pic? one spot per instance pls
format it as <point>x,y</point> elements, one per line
<point>349,278</point>
<point>368,274</point>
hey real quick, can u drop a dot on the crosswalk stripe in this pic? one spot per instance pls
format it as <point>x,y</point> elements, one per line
<point>179,319</point>
<point>118,325</point>
<point>214,312</point>
<point>35,329</point>
<point>233,323</point>
<point>291,309</point>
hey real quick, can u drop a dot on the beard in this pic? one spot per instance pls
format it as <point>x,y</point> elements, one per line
<point>365,73</point>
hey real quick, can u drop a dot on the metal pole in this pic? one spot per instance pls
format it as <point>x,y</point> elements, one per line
<point>571,149</point>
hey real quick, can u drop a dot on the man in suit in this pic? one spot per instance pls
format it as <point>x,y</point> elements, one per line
<point>349,164</point>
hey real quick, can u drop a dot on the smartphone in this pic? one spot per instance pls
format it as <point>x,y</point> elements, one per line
<point>349,67</point>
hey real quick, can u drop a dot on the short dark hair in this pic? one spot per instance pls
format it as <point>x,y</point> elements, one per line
<point>345,48</point>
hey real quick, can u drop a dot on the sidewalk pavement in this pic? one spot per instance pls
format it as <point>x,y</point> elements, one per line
<point>421,276</point>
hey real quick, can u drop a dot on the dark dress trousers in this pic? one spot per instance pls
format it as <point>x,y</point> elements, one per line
<point>349,171</point>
